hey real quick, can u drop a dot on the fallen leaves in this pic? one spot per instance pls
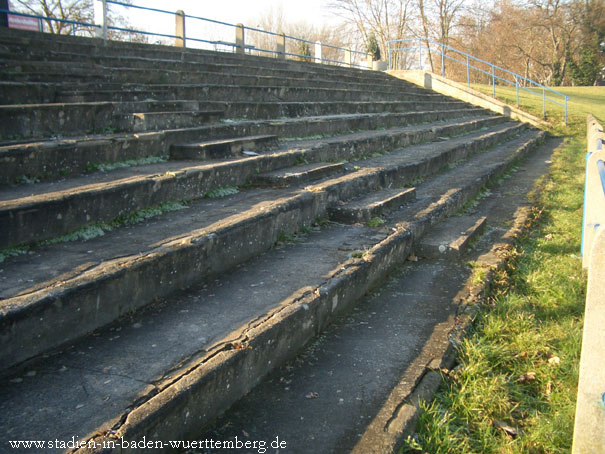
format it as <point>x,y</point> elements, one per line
<point>529,376</point>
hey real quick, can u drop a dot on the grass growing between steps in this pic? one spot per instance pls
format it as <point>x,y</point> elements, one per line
<point>515,386</point>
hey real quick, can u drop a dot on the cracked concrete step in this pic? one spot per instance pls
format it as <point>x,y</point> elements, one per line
<point>154,121</point>
<point>451,237</point>
<point>62,207</point>
<point>126,55</point>
<point>212,93</point>
<point>354,388</point>
<point>198,253</point>
<point>300,174</point>
<point>165,373</point>
<point>220,149</point>
<point>70,119</point>
<point>373,205</point>
<point>57,158</point>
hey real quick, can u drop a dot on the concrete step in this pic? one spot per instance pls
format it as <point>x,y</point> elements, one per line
<point>62,207</point>
<point>114,279</point>
<point>165,373</point>
<point>303,173</point>
<point>56,158</point>
<point>220,149</point>
<point>154,121</point>
<point>376,204</point>
<point>207,92</point>
<point>72,119</point>
<point>451,237</point>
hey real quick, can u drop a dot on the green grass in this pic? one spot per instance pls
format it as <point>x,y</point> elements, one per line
<point>515,385</point>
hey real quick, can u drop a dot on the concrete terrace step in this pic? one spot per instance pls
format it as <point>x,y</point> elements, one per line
<point>72,119</point>
<point>146,378</point>
<point>303,173</point>
<point>154,121</point>
<point>451,237</point>
<point>52,159</point>
<point>63,207</point>
<point>212,247</point>
<point>376,204</point>
<point>220,149</point>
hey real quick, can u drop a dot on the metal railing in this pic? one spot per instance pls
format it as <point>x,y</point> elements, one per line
<point>406,57</point>
<point>263,42</point>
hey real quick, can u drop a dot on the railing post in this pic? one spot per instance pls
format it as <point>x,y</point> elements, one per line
<point>517,88</point>
<point>348,57</point>
<point>318,58</point>
<point>468,73</point>
<point>543,104</point>
<point>281,46</point>
<point>100,12</point>
<point>389,54</point>
<point>179,18</point>
<point>420,53</point>
<point>240,45</point>
<point>566,98</point>
<point>442,60</point>
<point>493,81</point>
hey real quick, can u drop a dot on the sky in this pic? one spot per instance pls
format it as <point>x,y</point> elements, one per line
<point>230,11</point>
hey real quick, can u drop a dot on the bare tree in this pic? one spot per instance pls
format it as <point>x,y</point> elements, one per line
<point>58,12</point>
<point>387,19</point>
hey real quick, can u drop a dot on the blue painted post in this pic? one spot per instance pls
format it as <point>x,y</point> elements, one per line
<point>493,81</point>
<point>468,73</point>
<point>442,60</point>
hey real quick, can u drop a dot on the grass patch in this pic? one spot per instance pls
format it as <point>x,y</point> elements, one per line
<point>223,191</point>
<point>108,166</point>
<point>515,386</point>
<point>98,229</point>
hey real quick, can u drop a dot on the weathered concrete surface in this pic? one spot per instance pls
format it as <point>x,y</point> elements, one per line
<point>459,91</point>
<point>60,208</point>
<point>450,238</point>
<point>225,148</point>
<point>589,433</point>
<point>357,387</point>
<point>376,204</point>
<point>101,292</point>
<point>52,159</point>
<point>190,393</point>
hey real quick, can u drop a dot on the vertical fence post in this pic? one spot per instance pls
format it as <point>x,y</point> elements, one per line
<point>468,73</point>
<point>493,81</point>
<point>566,98</point>
<point>420,53</point>
<point>543,104</point>
<point>240,45</point>
<point>318,58</point>
<point>442,60</point>
<point>100,12</point>
<point>179,18</point>
<point>281,46</point>
<point>348,57</point>
<point>389,53</point>
<point>517,88</point>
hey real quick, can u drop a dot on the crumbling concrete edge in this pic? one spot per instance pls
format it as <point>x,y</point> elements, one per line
<point>428,377</point>
<point>211,383</point>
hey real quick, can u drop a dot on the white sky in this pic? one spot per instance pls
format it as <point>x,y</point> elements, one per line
<point>230,11</point>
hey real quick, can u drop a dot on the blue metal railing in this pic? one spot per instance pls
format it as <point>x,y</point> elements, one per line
<point>102,28</point>
<point>441,49</point>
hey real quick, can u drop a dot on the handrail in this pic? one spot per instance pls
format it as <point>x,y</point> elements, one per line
<point>101,25</point>
<point>440,49</point>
